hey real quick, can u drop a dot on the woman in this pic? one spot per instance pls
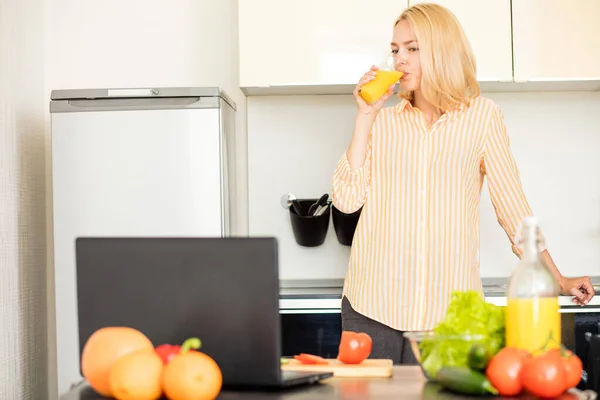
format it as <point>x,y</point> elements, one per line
<point>417,170</point>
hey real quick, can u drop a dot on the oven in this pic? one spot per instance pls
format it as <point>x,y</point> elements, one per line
<point>310,314</point>
<point>582,323</point>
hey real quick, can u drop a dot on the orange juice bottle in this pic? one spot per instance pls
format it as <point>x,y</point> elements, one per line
<point>373,90</point>
<point>532,311</point>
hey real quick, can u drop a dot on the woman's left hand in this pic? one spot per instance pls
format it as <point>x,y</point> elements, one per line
<point>581,288</point>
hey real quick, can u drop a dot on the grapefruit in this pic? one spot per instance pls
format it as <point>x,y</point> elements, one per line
<point>103,348</point>
<point>137,376</point>
<point>192,375</point>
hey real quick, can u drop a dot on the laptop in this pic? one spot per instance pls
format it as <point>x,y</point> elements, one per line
<point>224,291</point>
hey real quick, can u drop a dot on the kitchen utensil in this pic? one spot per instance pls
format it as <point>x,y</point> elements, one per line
<point>298,209</point>
<point>321,210</point>
<point>381,368</point>
<point>319,204</point>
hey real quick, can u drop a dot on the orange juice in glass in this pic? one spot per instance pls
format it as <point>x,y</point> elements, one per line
<point>373,90</point>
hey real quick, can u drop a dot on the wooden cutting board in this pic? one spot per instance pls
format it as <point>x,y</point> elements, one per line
<point>380,368</point>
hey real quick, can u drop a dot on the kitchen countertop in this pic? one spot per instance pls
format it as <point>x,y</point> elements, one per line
<point>326,294</point>
<point>406,383</point>
<point>333,287</point>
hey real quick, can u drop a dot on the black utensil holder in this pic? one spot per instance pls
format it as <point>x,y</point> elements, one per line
<point>345,225</point>
<point>309,231</point>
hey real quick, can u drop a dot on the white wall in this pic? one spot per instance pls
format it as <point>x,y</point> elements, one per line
<point>555,140</point>
<point>139,43</point>
<point>23,342</point>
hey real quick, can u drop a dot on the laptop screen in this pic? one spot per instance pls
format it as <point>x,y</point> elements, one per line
<point>224,291</point>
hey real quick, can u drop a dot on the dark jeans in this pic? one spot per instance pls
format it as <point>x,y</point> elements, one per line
<point>387,342</point>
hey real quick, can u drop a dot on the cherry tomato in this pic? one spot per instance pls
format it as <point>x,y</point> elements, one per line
<point>544,376</point>
<point>504,371</point>
<point>354,347</point>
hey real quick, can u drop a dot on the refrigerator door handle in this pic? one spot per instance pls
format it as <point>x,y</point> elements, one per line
<point>116,104</point>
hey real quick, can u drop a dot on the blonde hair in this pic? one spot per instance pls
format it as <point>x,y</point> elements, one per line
<point>449,71</point>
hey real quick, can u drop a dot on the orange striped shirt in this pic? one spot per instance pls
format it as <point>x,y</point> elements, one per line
<point>417,239</point>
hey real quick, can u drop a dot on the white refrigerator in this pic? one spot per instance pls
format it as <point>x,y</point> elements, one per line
<point>134,162</point>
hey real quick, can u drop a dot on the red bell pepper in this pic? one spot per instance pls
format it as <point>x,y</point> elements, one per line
<point>168,351</point>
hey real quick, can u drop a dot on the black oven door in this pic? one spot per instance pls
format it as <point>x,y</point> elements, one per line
<point>578,326</point>
<point>310,325</point>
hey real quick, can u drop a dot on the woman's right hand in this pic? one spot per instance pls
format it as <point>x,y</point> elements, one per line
<point>367,108</point>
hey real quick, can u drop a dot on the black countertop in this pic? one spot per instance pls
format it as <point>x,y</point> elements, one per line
<point>406,383</point>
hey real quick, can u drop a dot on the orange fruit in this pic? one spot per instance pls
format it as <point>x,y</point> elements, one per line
<point>192,376</point>
<point>137,376</point>
<point>103,348</point>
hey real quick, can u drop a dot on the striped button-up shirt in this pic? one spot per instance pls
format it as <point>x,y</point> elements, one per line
<point>417,239</point>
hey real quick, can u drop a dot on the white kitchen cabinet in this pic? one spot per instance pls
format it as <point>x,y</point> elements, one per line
<point>556,40</point>
<point>313,42</point>
<point>487,26</point>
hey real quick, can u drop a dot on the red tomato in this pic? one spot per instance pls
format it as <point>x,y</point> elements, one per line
<point>544,376</point>
<point>310,359</point>
<point>573,369</point>
<point>167,352</point>
<point>354,347</point>
<point>572,365</point>
<point>504,369</point>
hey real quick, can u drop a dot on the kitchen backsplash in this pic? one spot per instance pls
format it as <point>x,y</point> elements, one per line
<point>295,142</point>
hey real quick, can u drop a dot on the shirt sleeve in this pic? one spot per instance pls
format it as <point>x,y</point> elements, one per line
<point>504,182</point>
<point>351,186</point>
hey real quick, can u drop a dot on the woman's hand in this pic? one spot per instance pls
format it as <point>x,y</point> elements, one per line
<point>364,107</point>
<point>581,289</point>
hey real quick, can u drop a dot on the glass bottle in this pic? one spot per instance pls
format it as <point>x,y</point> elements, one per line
<point>532,311</point>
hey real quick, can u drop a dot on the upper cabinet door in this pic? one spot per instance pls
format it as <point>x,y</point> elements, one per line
<point>313,42</point>
<point>556,39</point>
<point>487,26</point>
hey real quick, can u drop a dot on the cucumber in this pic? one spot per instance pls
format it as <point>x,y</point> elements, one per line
<point>479,357</point>
<point>464,380</point>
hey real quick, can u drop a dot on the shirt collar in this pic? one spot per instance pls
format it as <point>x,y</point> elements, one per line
<point>405,104</point>
<point>402,105</point>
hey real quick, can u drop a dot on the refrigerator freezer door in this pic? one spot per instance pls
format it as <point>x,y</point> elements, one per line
<point>129,173</point>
